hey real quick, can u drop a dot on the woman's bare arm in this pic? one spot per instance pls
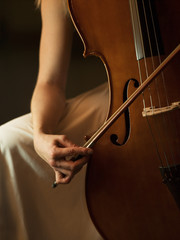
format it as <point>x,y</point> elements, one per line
<point>48,99</point>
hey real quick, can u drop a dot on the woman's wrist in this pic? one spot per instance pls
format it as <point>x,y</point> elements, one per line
<point>43,131</point>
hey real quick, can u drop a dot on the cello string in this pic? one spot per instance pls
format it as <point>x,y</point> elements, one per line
<point>147,74</point>
<point>151,52</point>
<point>155,80</point>
<point>169,118</point>
<point>143,50</point>
<point>156,83</point>
<point>167,147</point>
<point>144,56</point>
<point>146,69</point>
<point>165,117</point>
<point>158,51</point>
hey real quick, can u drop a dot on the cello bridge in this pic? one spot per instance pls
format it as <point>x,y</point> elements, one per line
<point>150,111</point>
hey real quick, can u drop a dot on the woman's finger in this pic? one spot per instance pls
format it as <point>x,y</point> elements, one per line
<point>72,166</point>
<point>70,152</point>
<point>62,178</point>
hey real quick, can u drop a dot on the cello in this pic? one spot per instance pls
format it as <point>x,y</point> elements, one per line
<point>133,178</point>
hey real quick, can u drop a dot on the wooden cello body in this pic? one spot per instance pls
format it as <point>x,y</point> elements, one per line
<point>132,183</point>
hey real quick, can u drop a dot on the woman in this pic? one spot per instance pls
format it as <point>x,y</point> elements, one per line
<point>30,208</point>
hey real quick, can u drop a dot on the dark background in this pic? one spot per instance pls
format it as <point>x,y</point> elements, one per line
<point>20,27</point>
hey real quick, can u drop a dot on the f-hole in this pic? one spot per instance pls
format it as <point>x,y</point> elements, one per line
<point>114,137</point>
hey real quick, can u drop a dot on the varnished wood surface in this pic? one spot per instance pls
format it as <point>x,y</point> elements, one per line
<point>125,194</point>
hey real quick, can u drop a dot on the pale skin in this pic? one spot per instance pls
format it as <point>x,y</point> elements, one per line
<point>48,100</point>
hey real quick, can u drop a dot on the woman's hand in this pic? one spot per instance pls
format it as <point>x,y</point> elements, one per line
<point>59,152</point>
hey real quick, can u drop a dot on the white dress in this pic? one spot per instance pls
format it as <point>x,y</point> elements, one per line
<point>30,209</point>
